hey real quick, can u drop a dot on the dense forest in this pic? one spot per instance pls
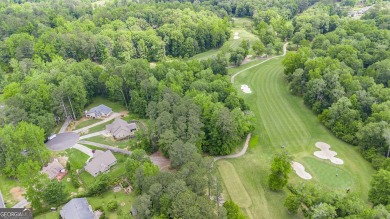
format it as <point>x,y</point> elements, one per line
<point>341,70</point>
<point>55,56</point>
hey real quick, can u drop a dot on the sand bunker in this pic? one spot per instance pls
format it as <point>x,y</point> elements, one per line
<point>246,89</point>
<point>236,36</point>
<point>326,153</point>
<point>300,170</point>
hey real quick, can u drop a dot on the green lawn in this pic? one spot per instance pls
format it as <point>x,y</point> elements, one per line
<point>6,184</point>
<point>116,106</point>
<point>109,141</point>
<point>283,119</point>
<point>87,123</point>
<point>49,215</point>
<point>77,158</point>
<point>120,197</point>
<point>100,127</point>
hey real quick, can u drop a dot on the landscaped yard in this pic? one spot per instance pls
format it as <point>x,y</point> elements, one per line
<point>123,199</point>
<point>115,171</point>
<point>86,123</point>
<point>115,106</point>
<point>77,158</point>
<point>109,141</point>
<point>6,184</point>
<point>283,119</point>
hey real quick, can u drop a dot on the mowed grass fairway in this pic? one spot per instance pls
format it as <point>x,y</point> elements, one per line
<point>283,119</point>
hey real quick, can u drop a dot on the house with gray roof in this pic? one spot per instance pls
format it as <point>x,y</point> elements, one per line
<point>120,129</point>
<point>100,163</point>
<point>2,203</point>
<point>77,208</point>
<point>52,169</point>
<point>99,111</point>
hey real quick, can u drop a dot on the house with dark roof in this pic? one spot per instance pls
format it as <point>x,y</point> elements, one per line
<point>53,169</point>
<point>100,163</point>
<point>120,129</point>
<point>77,208</point>
<point>2,203</point>
<point>99,111</point>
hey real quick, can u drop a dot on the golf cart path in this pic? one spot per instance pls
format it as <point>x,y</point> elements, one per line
<point>239,154</point>
<point>111,117</point>
<point>248,137</point>
<point>284,53</point>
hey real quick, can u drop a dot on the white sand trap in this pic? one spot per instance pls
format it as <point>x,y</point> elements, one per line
<point>236,36</point>
<point>326,153</point>
<point>300,170</point>
<point>246,89</point>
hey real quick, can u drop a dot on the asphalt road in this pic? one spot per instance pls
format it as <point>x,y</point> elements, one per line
<point>63,141</point>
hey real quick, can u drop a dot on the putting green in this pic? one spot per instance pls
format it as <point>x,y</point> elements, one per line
<point>233,184</point>
<point>329,174</point>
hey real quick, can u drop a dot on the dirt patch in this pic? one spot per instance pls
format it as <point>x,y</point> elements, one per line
<point>63,160</point>
<point>162,162</point>
<point>17,193</point>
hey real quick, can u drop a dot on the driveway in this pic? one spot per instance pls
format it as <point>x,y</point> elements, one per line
<point>63,141</point>
<point>111,117</point>
<point>83,149</point>
<point>93,135</point>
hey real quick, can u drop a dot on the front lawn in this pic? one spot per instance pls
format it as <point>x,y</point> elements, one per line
<point>115,106</point>
<point>77,158</point>
<point>109,141</point>
<point>86,123</point>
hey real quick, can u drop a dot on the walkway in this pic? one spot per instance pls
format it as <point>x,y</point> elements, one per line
<point>65,125</point>
<point>2,204</point>
<point>23,203</point>
<point>83,149</point>
<point>111,117</point>
<point>113,149</point>
<point>92,135</point>
<point>239,154</point>
<point>284,53</point>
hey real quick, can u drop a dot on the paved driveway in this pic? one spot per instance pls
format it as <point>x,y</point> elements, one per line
<point>63,141</point>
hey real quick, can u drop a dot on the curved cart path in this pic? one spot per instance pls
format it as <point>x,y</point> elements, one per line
<point>239,72</point>
<point>248,137</point>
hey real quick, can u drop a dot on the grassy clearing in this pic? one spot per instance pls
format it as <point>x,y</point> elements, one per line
<point>77,158</point>
<point>116,106</point>
<point>233,184</point>
<point>283,119</point>
<point>87,123</point>
<point>6,184</point>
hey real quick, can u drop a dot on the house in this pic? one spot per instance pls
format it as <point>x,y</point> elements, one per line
<point>53,169</point>
<point>77,208</point>
<point>99,111</point>
<point>2,203</point>
<point>100,163</point>
<point>120,129</point>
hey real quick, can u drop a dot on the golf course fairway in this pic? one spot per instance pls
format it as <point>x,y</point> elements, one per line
<point>283,122</point>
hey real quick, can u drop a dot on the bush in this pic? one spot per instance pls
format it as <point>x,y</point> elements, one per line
<point>112,205</point>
